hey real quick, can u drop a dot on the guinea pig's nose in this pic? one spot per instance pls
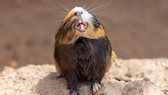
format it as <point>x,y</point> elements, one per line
<point>78,13</point>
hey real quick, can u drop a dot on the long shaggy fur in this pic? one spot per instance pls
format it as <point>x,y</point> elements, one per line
<point>79,57</point>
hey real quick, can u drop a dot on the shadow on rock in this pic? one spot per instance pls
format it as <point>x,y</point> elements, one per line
<point>52,85</point>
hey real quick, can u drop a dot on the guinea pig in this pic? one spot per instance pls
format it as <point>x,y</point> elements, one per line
<point>83,51</point>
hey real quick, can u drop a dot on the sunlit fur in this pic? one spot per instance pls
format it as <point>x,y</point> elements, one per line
<point>83,55</point>
<point>69,34</point>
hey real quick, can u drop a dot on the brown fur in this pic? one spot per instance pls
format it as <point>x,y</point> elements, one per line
<point>112,59</point>
<point>82,55</point>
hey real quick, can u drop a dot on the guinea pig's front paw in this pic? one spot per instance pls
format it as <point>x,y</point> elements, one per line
<point>74,93</point>
<point>95,87</point>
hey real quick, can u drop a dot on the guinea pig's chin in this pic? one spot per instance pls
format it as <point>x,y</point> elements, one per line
<point>81,26</point>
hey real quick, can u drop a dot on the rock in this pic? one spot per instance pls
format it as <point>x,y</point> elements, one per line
<point>126,77</point>
<point>141,87</point>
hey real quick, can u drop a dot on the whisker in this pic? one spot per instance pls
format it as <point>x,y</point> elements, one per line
<point>84,6</point>
<point>65,8</point>
<point>100,14</point>
<point>97,8</point>
<point>56,22</point>
<point>56,16</point>
<point>57,11</point>
<point>91,5</point>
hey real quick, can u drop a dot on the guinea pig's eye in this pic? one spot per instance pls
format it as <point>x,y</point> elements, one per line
<point>75,14</point>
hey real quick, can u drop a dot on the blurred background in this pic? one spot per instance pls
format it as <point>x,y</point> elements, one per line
<point>136,28</point>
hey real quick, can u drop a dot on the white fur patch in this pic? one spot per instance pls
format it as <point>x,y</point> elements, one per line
<point>86,15</point>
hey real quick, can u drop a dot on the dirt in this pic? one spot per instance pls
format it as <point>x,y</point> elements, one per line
<point>136,28</point>
<point>126,77</point>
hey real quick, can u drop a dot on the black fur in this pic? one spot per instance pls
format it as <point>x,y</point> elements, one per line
<point>85,59</point>
<point>95,22</point>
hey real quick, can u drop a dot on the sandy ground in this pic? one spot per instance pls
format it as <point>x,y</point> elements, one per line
<point>137,28</point>
<point>126,77</point>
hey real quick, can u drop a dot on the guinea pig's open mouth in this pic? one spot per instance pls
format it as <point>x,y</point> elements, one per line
<point>81,26</point>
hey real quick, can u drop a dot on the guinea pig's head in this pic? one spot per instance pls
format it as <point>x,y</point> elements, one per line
<point>79,23</point>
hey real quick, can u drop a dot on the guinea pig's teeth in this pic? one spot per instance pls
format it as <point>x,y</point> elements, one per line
<point>82,27</point>
<point>80,21</point>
